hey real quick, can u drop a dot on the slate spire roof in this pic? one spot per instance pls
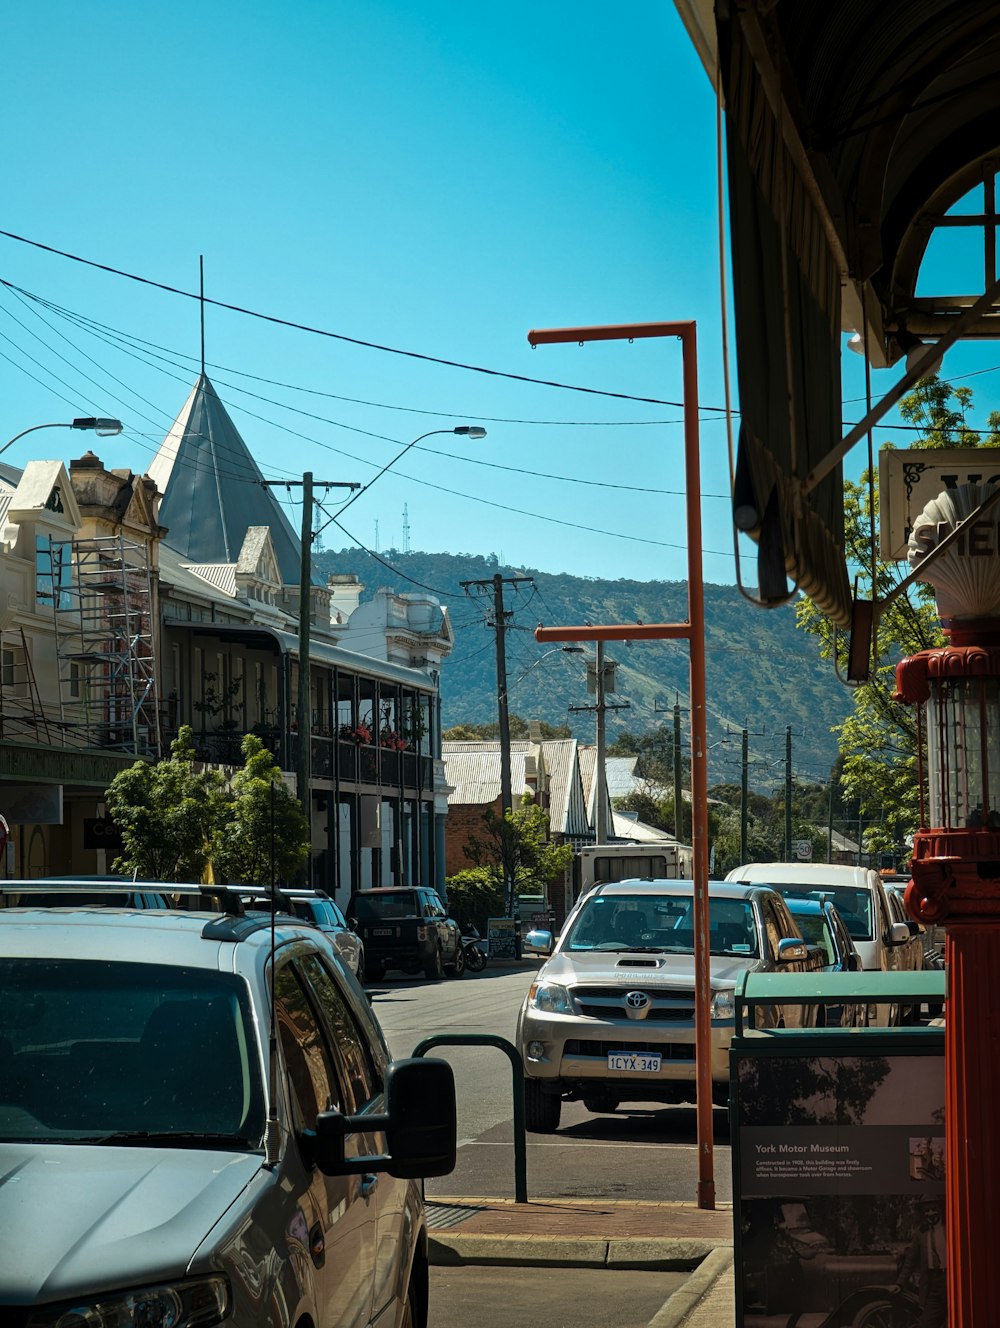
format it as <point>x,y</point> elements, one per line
<point>212,491</point>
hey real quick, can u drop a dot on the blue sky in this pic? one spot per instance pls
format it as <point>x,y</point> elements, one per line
<point>434,179</point>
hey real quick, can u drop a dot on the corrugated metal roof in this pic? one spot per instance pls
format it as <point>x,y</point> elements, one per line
<point>220,575</point>
<point>475,775</point>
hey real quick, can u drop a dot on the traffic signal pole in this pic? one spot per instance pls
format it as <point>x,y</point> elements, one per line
<point>692,631</point>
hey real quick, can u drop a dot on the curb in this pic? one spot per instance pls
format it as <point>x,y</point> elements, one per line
<point>686,1298</point>
<point>564,1252</point>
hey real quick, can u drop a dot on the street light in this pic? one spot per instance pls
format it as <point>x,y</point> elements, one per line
<point>104,428</point>
<point>559,650</point>
<point>466,430</point>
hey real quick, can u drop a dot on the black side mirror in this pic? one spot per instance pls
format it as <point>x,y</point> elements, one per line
<point>419,1122</point>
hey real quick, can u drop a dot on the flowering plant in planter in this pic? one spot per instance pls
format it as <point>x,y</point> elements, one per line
<point>394,741</point>
<point>359,733</point>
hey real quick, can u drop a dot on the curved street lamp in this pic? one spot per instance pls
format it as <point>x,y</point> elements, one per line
<point>558,650</point>
<point>104,428</point>
<point>466,430</point>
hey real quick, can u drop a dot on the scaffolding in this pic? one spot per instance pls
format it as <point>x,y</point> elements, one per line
<point>21,712</point>
<point>105,631</point>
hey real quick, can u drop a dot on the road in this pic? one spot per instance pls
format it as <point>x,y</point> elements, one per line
<point>645,1153</point>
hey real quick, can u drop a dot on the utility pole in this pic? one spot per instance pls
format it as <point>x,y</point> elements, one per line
<point>601,680</point>
<point>678,819</point>
<point>745,758</point>
<point>497,583</point>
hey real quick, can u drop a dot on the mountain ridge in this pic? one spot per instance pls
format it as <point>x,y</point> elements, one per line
<point>762,671</point>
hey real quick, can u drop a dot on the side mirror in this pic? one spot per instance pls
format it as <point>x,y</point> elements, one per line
<point>790,948</point>
<point>854,963</point>
<point>539,940</point>
<point>899,933</point>
<point>419,1122</point>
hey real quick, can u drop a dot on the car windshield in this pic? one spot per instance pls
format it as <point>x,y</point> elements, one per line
<point>854,906</point>
<point>93,1050</point>
<point>662,923</point>
<point>395,904</point>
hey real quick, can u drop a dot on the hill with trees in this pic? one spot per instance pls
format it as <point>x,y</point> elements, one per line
<point>762,671</point>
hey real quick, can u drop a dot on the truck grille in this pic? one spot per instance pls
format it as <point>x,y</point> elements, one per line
<point>609,1003</point>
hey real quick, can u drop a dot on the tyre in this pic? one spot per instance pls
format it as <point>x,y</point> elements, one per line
<point>457,969</point>
<point>878,1313</point>
<point>360,970</point>
<point>434,969</point>
<point>374,972</point>
<point>541,1110</point>
<point>601,1104</point>
<point>475,959</point>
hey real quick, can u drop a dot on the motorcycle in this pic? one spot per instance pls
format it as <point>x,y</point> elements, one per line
<point>475,951</point>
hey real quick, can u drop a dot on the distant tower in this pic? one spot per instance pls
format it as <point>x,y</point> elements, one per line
<point>406,529</point>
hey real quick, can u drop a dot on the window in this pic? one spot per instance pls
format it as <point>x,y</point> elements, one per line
<point>350,1047</point>
<point>53,572</point>
<point>306,1056</point>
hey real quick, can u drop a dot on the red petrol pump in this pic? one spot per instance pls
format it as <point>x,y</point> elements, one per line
<point>956,868</point>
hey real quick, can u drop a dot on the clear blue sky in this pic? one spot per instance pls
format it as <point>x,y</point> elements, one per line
<point>435,179</point>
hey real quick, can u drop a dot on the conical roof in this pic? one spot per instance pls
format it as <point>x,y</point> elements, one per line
<point>212,488</point>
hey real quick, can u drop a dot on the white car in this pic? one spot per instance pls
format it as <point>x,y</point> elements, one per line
<point>172,1164</point>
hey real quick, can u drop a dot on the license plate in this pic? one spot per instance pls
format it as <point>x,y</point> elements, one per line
<point>634,1062</point>
<point>383,931</point>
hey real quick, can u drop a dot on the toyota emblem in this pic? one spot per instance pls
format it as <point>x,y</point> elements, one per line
<point>636,1004</point>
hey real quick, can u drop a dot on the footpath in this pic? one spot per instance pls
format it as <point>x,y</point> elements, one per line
<point>553,1233</point>
<point>548,1233</point>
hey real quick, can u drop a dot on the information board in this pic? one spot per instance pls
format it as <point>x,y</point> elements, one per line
<point>838,1186</point>
<point>503,938</point>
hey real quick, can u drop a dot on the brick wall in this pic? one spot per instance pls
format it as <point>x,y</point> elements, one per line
<point>461,824</point>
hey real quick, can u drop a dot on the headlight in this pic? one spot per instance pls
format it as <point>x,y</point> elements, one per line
<point>724,1005</point>
<point>195,1304</point>
<point>550,998</point>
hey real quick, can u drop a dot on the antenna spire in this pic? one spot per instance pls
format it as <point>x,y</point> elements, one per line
<point>201,305</point>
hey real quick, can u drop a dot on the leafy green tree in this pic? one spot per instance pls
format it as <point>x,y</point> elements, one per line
<point>475,896</point>
<point>878,739</point>
<point>167,814</point>
<point>263,836</point>
<point>517,847</point>
<point>520,731</point>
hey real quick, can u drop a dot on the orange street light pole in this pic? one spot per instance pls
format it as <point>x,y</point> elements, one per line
<point>693,631</point>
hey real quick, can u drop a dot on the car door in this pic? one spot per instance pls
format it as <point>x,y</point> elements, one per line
<point>333,1236</point>
<point>363,1083</point>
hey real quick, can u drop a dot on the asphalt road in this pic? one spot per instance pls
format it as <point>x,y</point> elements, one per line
<point>640,1152</point>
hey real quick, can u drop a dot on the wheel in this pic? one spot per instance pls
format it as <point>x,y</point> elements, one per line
<point>359,972</point>
<point>475,959</point>
<point>601,1104</point>
<point>541,1110</point>
<point>878,1313</point>
<point>434,969</point>
<point>457,969</point>
<point>374,973</point>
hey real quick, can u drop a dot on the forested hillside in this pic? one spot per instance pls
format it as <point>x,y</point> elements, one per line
<point>762,671</point>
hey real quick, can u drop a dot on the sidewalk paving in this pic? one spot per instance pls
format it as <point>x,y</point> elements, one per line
<point>611,1234</point>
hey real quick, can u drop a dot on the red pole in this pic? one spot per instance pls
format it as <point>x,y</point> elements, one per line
<point>694,632</point>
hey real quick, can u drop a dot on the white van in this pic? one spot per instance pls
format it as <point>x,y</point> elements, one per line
<point>858,894</point>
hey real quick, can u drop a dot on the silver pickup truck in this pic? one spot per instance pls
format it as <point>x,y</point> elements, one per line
<point>610,1016</point>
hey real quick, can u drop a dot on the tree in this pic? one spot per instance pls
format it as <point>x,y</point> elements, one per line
<point>520,731</point>
<point>878,739</point>
<point>516,847</point>
<point>166,814</point>
<point>264,835</point>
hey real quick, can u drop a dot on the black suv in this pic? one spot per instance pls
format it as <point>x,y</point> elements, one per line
<point>406,928</point>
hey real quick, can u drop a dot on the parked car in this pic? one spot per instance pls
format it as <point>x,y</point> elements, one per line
<point>861,900</point>
<point>322,910</point>
<point>610,1015</point>
<point>821,925</point>
<point>406,928</point>
<point>177,1175</point>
